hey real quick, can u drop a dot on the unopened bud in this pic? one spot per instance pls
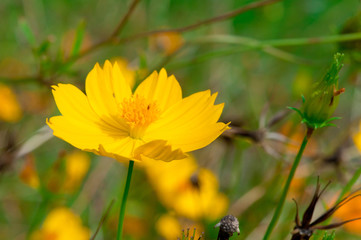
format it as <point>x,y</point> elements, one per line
<point>322,100</point>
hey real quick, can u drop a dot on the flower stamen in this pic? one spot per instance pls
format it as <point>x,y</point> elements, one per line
<point>138,114</point>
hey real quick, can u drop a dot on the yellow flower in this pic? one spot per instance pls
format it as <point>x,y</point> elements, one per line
<point>170,228</point>
<point>154,122</point>
<point>76,167</point>
<point>190,191</point>
<point>10,110</point>
<point>62,224</point>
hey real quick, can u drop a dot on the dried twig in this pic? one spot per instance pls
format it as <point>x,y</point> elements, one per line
<point>114,40</point>
<point>105,215</point>
<point>201,23</point>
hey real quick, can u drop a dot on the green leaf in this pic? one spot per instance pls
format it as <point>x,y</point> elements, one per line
<point>297,110</point>
<point>27,31</point>
<point>43,48</point>
<point>327,236</point>
<point>79,36</point>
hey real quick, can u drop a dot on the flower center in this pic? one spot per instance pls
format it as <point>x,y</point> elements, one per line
<point>138,113</point>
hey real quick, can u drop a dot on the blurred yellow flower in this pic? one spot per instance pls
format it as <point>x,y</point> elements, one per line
<point>10,110</point>
<point>67,172</point>
<point>169,227</point>
<point>351,210</point>
<point>128,73</point>
<point>62,224</point>
<point>28,174</point>
<point>77,165</point>
<point>154,122</point>
<point>357,139</point>
<point>167,42</point>
<point>190,191</point>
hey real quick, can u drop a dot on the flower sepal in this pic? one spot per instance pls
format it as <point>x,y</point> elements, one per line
<point>315,125</point>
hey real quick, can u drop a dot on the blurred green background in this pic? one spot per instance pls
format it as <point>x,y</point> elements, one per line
<point>256,78</point>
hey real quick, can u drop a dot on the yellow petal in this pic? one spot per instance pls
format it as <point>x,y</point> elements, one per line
<point>158,150</point>
<point>160,88</point>
<point>189,124</point>
<point>218,208</point>
<point>102,152</point>
<point>126,71</point>
<point>73,103</point>
<point>120,85</point>
<point>168,178</point>
<point>105,88</point>
<point>79,134</point>
<point>168,227</point>
<point>123,148</point>
<point>77,164</point>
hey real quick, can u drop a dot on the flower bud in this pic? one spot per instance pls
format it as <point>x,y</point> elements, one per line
<point>322,100</point>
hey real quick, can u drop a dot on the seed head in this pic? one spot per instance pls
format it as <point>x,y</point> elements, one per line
<point>227,226</point>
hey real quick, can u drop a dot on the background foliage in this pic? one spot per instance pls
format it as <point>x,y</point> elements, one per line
<point>256,78</point>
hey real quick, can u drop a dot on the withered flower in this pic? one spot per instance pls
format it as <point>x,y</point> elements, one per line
<point>304,230</point>
<point>227,226</point>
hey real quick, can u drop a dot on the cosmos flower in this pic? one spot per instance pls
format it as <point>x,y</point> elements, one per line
<point>154,122</point>
<point>187,189</point>
<point>62,224</point>
<point>10,110</point>
<point>77,164</point>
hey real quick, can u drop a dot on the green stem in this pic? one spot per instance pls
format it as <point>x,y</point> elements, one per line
<point>278,210</point>
<point>267,46</point>
<point>124,201</point>
<point>286,42</point>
